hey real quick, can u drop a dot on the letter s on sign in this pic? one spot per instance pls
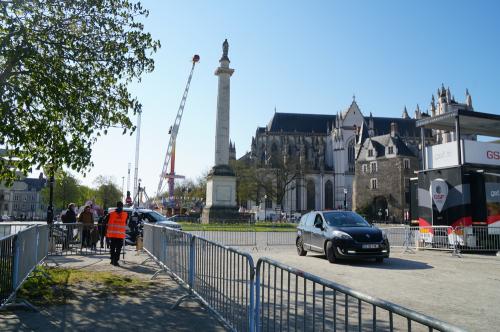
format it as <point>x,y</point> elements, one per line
<point>493,155</point>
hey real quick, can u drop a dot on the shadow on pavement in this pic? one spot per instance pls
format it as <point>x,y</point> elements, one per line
<point>145,309</point>
<point>390,263</point>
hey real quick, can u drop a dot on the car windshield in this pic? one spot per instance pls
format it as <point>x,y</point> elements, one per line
<point>156,216</point>
<point>345,219</point>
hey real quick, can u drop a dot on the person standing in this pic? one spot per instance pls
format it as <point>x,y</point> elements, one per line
<point>69,217</point>
<point>87,219</point>
<point>117,224</point>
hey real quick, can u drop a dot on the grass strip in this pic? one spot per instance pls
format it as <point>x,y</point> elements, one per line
<point>55,286</point>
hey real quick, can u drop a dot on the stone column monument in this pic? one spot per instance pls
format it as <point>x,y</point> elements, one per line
<point>221,181</point>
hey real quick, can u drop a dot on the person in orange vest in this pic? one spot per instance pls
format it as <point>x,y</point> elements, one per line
<point>117,224</point>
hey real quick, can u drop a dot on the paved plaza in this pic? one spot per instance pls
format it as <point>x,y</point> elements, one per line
<point>150,311</point>
<point>462,291</point>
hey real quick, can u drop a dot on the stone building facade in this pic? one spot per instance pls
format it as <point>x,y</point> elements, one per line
<point>23,201</point>
<point>384,166</point>
<point>325,148</point>
<point>385,163</point>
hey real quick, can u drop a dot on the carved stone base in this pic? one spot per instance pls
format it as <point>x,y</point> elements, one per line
<point>219,213</point>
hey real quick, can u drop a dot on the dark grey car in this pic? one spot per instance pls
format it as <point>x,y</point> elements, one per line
<point>340,234</point>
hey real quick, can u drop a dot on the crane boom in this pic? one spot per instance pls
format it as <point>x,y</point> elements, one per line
<point>175,129</point>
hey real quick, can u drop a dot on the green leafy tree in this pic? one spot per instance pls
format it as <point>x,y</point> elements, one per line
<point>107,192</point>
<point>85,194</point>
<point>248,182</point>
<point>200,187</point>
<point>65,66</point>
<point>66,190</point>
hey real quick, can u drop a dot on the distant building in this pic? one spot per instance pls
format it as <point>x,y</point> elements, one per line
<point>385,163</point>
<point>324,145</point>
<point>384,166</point>
<point>22,201</point>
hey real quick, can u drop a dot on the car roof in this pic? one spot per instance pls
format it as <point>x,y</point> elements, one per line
<point>131,209</point>
<point>329,211</point>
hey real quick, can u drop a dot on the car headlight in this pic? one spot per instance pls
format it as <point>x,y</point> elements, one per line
<point>341,235</point>
<point>384,235</point>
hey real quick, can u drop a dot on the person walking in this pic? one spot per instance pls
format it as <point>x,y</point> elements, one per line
<point>87,219</point>
<point>117,224</point>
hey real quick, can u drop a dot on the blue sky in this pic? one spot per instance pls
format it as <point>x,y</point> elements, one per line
<point>300,57</point>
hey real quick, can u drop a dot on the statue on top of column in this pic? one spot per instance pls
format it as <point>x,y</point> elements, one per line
<point>225,49</point>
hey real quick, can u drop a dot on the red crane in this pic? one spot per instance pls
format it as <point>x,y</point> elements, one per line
<point>174,130</point>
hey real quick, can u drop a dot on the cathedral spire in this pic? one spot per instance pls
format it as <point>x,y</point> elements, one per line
<point>371,131</point>
<point>433,106</point>
<point>418,114</point>
<point>405,114</point>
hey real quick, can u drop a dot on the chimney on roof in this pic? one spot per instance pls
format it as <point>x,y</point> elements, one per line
<point>394,129</point>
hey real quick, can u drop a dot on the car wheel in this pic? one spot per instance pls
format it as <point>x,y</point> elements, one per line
<point>300,247</point>
<point>330,252</point>
<point>379,260</point>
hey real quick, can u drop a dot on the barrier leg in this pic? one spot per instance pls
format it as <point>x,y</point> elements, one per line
<point>160,271</point>
<point>407,243</point>
<point>456,248</point>
<point>14,302</point>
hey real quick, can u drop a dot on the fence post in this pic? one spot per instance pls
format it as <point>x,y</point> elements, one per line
<point>253,302</point>
<point>37,243</point>
<point>15,263</point>
<point>192,262</point>
<point>257,298</point>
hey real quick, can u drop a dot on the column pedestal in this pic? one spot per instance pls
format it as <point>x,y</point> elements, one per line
<point>221,196</point>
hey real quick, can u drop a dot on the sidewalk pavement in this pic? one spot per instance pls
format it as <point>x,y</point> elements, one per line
<point>149,311</point>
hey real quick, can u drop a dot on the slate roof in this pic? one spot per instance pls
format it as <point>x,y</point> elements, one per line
<point>406,127</point>
<point>35,183</point>
<point>319,124</point>
<point>302,123</point>
<point>380,142</point>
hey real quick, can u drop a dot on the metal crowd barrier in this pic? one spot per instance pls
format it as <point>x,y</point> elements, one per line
<point>6,267</point>
<point>464,238</point>
<point>169,248</point>
<point>13,227</point>
<point>219,276</point>
<point>478,238</point>
<point>291,299</point>
<point>284,238</point>
<point>68,239</point>
<point>423,237</point>
<point>224,280</point>
<point>272,296</point>
<point>19,256</point>
<point>230,238</point>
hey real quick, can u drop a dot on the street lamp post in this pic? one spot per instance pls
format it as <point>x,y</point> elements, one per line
<point>50,208</point>
<point>345,198</point>
<point>265,208</point>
